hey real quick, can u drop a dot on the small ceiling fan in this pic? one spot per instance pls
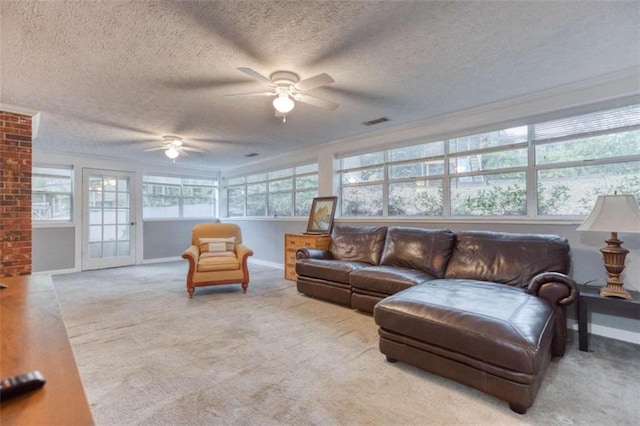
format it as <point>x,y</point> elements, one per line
<point>173,146</point>
<point>287,87</point>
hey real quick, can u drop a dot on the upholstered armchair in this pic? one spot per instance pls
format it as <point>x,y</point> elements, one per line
<point>217,256</point>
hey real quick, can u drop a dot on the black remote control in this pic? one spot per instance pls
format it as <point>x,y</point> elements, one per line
<point>22,383</point>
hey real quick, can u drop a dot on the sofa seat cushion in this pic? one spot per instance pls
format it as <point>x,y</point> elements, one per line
<point>328,270</point>
<point>222,263</point>
<point>386,280</point>
<point>500,329</point>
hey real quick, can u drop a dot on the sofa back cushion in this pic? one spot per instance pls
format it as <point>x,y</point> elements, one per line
<point>428,250</point>
<point>512,259</point>
<point>358,243</point>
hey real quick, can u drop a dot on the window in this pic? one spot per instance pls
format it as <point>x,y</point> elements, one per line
<point>488,173</point>
<point>236,192</point>
<point>555,168</point>
<point>175,197</point>
<point>581,157</point>
<point>283,192</point>
<point>362,182</point>
<point>52,194</point>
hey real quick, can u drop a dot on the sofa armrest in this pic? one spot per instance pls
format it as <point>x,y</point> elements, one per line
<point>310,253</point>
<point>557,288</point>
<point>191,254</point>
<point>243,252</point>
<point>560,291</point>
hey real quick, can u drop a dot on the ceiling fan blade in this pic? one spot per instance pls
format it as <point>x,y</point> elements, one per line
<point>235,95</point>
<point>255,74</point>
<point>188,148</point>
<point>361,95</point>
<point>156,149</point>
<point>130,142</point>
<point>317,102</point>
<point>223,142</point>
<point>314,82</point>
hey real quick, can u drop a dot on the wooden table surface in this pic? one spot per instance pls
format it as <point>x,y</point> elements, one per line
<point>34,338</point>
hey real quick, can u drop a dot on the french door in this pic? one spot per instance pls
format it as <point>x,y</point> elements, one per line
<point>108,215</point>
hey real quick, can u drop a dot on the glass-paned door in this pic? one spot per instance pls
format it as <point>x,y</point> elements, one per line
<point>109,234</point>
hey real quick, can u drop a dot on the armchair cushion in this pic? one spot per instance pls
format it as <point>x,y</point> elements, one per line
<point>221,263</point>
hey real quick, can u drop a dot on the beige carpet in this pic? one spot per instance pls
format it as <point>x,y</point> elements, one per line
<point>148,354</point>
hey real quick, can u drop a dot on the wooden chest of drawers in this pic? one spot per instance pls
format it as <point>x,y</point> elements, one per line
<point>293,242</point>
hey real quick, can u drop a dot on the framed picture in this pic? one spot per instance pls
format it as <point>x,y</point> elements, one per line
<point>321,217</point>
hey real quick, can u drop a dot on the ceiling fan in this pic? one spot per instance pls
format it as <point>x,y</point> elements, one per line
<point>287,87</point>
<point>173,146</point>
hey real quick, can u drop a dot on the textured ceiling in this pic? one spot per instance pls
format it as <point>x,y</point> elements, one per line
<point>109,75</point>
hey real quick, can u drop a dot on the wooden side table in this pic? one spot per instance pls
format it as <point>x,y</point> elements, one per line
<point>292,242</point>
<point>590,298</point>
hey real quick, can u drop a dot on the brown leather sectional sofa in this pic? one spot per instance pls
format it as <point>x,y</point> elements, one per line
<point>483,308</point>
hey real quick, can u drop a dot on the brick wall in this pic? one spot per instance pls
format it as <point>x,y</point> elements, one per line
<point>15,194</point>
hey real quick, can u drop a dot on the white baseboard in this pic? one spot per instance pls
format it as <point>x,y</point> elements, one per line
<point>161,260</point>
<point>275,265</point>
<point>609,332</point>
<point>58,271</point>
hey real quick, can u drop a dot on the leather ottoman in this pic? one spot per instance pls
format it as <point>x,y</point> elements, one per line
<point>492,337</point>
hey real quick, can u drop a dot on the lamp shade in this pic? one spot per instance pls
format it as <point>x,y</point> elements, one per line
<point>613,213</point>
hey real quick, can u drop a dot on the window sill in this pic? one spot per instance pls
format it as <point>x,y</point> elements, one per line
<point>569,221</point>
<point>476,219</point>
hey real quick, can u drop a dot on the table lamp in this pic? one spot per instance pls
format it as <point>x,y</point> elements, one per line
<point>618,212</point>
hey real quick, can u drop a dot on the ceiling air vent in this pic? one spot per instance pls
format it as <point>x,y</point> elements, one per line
<point>376,121</point>
<point>253,154</point>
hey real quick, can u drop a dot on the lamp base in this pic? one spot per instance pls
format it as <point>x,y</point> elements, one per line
<point>615,290</point>
<point>614,255</point>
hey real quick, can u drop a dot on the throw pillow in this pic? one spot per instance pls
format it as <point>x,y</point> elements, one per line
<point>217,247</point>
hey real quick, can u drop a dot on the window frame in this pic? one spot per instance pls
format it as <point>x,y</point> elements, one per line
<point>34,193</point>
<point>242,183</point>
<point>181,196</point>
<point>529,167</point>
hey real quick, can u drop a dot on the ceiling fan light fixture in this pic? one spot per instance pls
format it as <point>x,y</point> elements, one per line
<point>283,103</point>
<point>172,140</point>
<point>172,152</point>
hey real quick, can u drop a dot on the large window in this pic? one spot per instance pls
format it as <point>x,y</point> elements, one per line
<point>579,158</point>
<point>555,168</point>
<point>52,194</point>
<point>283,192</point>
<point>175,197</point>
